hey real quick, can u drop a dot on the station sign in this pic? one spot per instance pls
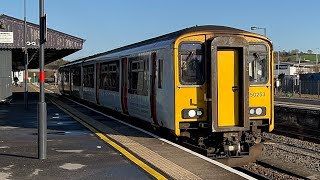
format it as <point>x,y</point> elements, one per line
<point>6,37</point>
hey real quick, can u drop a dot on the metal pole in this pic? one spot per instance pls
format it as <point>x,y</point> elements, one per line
<point>25,59</point>
<point>316,57</point>
<point>42,106</point>
<point>318,89</point>
<point>265,31</point>
<point>278,62</point>
<point>299,88</point>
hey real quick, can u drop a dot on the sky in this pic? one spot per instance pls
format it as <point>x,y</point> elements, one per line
<point>108,24</point>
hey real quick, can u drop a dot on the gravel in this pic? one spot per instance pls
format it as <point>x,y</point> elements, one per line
<point>289,150</point>
<point>302,153</point>
<point>268,172</point>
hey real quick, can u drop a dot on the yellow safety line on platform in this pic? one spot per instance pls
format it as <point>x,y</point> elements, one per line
<point>34,88</point>
<point>131,157</point>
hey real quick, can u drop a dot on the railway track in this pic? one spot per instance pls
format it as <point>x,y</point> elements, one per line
<point>302,133</point>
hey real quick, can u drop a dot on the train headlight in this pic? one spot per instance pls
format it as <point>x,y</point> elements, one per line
<point>192,113</point>
<point>257,111</point>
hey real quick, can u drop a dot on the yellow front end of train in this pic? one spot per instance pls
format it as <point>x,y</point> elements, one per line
<point>223,88</point>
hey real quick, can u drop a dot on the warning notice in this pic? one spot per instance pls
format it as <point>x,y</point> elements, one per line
<point>6,37</point>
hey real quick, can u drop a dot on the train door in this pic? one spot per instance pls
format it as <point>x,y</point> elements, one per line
<point>124,85</point>
<point>153,94</point>
<point>61,81</point>
<point>97,82</point>
<point>229,83</point>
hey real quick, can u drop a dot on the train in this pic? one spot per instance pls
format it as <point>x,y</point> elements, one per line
<point>211,86</point>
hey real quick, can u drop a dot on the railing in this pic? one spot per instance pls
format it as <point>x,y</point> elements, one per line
<point>295,87</point>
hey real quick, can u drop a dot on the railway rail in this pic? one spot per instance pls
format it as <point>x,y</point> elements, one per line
<point>302,133</point>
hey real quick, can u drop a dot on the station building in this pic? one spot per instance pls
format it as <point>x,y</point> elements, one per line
<point>12,46</point>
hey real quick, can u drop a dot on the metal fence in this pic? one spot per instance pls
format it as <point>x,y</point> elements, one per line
<point>300,87</point>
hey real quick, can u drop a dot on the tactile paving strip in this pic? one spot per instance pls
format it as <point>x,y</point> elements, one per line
<point>173,170</point>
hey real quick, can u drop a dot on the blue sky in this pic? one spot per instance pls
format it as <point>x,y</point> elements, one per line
<point>107,24</point>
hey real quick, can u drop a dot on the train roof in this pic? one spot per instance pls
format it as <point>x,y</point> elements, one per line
<point>166,37</point>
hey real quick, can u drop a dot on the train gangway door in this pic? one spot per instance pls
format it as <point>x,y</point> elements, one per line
<point>228,84</point>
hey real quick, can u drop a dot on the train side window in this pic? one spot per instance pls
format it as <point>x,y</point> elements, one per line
<point>138,75</point>
<point>66,76</point>
<point>109,76</point>
<point>88,79</point>
<point>191,63</point>
<point>76,77</point>
<point>160,73</point>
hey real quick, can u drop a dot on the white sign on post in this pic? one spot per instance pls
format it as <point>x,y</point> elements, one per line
<point>6,37</point>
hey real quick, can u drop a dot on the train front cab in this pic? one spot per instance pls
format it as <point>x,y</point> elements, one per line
<point>223,94</point>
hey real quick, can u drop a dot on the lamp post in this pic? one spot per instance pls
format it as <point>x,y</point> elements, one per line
<point>278,62</point>
<point>42,106</point>
<point>25,59</point>
<point>317,56</point>
<point>264,29</point>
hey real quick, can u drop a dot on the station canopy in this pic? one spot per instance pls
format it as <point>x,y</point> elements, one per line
<point>57,46</point>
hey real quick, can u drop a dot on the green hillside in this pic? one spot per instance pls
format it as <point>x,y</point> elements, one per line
<point>311,57</point>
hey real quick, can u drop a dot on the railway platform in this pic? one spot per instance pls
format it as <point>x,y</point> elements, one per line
<point>297,103</point>
<point>85,144</point>
<point>73,151</point>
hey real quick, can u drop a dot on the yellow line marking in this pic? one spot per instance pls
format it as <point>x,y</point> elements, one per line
<point>34,88</point>
<point>131,157</point>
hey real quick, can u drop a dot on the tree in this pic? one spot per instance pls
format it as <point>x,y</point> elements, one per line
<point>281,76</point>
<point>295,51</point>
<point>309,51</point>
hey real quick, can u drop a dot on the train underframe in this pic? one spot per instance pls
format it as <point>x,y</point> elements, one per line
<point>228,143</point>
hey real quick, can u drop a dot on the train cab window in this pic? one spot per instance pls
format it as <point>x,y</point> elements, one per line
<point>258,64</point>
<point>88,76</point>
<point>138,75</point>
<point>76,76</point>
<point>109,76</point>
<point>191,63</point>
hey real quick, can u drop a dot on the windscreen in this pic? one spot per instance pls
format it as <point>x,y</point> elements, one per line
<point>258,64</point>
<point>191,63</point>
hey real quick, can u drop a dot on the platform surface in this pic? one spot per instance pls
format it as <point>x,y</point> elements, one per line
<point>74,152</point>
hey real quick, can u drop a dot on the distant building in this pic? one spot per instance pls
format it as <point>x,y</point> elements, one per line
<point>292,68</point>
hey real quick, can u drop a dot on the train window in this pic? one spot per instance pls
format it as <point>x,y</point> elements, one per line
<point>109,76</point>
<point>160,73</point>
<point>258,64</point>
<point>88,76</point>
<point>138,75</point>
<point>66,77</point>
<point>191,63</point>
<point>76,77</point>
